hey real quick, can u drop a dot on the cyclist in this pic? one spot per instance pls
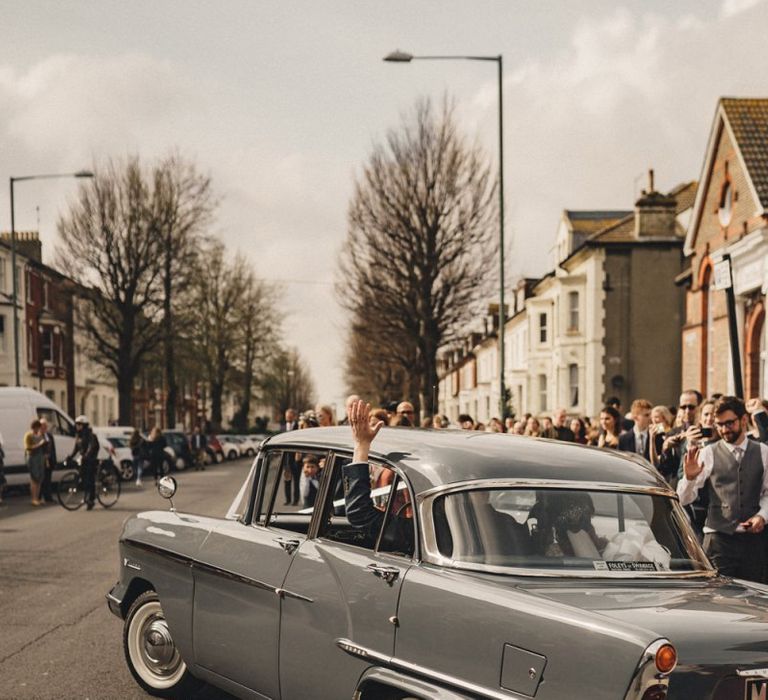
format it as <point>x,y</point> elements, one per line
<point>87,446</point>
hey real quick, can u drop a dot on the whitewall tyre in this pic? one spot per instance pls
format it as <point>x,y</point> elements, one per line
<point>152,656</point>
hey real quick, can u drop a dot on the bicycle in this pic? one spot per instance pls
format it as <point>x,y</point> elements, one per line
<point>71,487</point>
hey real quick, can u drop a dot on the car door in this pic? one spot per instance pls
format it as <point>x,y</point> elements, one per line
<point>239,577</point>
<point>347,592</point>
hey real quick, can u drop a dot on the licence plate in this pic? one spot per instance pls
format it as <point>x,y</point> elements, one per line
<point>757,689</point>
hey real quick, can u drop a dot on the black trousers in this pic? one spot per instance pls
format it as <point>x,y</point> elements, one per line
<point>89,482</point>
<point>46,492</point>
<point>741,555</point>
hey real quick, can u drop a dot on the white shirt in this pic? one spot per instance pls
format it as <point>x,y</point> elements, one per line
<point>641,435</point>
<point>688,490</point>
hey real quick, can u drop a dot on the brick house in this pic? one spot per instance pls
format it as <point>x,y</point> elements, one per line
<point>729,217</point>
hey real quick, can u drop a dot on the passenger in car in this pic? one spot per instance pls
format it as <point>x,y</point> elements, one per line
<point>360,510</point>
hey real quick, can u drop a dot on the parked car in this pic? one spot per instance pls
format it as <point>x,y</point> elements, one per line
<point>215,449</point>
<point>178,448</point>
<point>229,448</point>
<point>506,568</point>
<point>245,446</point>
<point>113,443</point>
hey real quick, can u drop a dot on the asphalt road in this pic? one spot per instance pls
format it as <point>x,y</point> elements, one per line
<point>57,637</point>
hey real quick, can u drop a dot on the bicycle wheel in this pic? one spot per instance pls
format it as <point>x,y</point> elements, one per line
<point>70,491</point>
<point>108,485</point>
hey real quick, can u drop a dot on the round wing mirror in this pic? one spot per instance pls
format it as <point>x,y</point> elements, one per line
<point>166,487</point>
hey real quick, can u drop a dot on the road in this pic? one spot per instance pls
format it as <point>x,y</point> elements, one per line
<point>57,637</point>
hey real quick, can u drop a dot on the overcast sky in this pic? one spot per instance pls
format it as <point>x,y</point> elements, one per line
<point>281,102</point>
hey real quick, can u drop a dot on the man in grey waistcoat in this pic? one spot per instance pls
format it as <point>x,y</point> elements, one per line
<point>734,471</point>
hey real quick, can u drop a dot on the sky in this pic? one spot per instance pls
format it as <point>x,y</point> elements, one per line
<point>281,103</point>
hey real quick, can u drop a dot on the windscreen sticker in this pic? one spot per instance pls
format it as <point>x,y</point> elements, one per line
<point>625,565</point>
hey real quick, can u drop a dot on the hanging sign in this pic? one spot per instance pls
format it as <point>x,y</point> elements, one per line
<point>723,274</point>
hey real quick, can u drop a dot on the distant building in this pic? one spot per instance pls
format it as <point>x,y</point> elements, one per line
<point>51,359</point>
<point>729,217</point>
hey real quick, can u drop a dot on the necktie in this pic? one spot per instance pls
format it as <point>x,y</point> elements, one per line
<point>641,444</point>
<point>738,453</point>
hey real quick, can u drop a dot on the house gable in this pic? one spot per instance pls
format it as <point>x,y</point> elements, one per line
<point>733,195</point>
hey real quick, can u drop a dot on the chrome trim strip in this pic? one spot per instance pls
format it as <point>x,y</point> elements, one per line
<point>109,596</point>
<point>753,673</point>
<point>581,485</point>
<point>398,664</point>
<point>232,576</point>
<point>283,593</point>
<point>202,566</point>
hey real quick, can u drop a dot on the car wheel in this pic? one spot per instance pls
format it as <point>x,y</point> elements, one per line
<point>251,452</point>
<point>181,465</point>
<point>232,455</point>
<point>219,458</point>
<point>127,471</point>
<point>152,656</point>
<point>165,467</point>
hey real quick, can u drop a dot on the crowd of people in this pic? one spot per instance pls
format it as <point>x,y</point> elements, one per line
<point>713,451</point>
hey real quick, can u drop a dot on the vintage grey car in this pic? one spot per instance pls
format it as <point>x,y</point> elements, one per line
<point>503,567</point>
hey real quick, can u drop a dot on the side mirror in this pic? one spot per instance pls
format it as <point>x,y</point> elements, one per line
<point>166,487</point>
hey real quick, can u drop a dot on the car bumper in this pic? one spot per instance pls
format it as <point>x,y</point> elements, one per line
<point>115,599</point>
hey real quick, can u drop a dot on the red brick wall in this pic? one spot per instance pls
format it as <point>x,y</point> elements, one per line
<point>709,236</point>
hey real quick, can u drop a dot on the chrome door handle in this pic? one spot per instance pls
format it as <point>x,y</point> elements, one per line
<point>289,545</point>
<point>387,573</point>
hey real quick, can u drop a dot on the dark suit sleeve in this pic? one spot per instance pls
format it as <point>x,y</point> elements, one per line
<point>361,512</point>
<point>627,442</point>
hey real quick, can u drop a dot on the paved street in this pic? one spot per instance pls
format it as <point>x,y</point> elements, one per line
<point>57,638</point>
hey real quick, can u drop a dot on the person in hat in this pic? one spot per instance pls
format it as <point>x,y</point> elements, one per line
<point>87,446</point>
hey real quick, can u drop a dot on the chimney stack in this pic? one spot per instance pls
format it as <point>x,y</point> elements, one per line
<point>655,213</point>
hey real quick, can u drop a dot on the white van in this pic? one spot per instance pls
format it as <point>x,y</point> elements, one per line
<point>18,408</point>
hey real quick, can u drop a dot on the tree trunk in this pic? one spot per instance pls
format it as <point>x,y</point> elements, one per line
<point>217,391</point>
<point>125,397</point>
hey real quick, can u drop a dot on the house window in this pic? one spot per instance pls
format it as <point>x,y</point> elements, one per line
<point>29,287</point>
<point>573,384</point>
<point>573,312</point>
<point>45,295</point>
<point>542,393</point>
<point>19,289</point>
<point>3,282</point>
<point>47,344</point>
<point>3,345</point>
<point>542,328</point>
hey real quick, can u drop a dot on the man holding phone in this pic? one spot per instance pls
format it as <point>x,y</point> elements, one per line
<point>734,473</point>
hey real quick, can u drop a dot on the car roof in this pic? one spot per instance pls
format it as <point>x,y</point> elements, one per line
<point>432,458</point>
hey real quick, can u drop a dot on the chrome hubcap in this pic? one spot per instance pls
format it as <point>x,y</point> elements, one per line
<point>159,651</point>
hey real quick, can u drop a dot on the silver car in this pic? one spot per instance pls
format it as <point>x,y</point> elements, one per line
<point>500,567</point>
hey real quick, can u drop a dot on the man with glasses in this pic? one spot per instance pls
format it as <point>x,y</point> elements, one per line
<point>734,473</point>
<point>674,446</point>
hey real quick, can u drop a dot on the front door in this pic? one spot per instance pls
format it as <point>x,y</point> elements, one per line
<point>349,585</point>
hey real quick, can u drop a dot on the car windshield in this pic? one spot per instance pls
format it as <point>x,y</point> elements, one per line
<point>118,442</point>
<point>563,529</point>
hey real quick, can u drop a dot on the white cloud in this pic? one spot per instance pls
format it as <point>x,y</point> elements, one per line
<point>730,8</point>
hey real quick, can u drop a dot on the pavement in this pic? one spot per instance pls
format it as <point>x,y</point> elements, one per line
<point>57,637</point>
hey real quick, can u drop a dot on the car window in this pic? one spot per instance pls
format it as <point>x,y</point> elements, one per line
<point>389,518</point>
<point>57,424</point>
<point>597,531</point>
<point>118,441</point>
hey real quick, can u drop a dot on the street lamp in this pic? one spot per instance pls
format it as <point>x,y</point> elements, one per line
<point>403,57</point>
<point>14,296</point>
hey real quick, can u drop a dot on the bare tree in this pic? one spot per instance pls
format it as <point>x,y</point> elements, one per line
<point>289,384</point>
<point>213,318</point>
<point>184,204</point>
<point>109,246</point>
<point>258,336</point>
<point>421,241</point>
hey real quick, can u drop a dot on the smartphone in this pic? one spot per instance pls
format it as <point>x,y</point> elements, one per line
<point>706,432</point>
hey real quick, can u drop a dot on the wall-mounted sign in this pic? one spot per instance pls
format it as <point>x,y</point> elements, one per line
<point>723,274</point>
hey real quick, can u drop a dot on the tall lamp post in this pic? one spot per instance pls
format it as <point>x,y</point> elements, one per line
<point>78,174</point>
<point>402,57</point>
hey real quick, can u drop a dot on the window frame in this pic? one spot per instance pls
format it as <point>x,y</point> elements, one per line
<point>573,312</point>
<point>335,459</point>
<point>543,327</point>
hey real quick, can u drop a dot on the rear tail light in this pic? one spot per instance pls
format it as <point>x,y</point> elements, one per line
<point>658,692</point>
<point>666,659</point>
